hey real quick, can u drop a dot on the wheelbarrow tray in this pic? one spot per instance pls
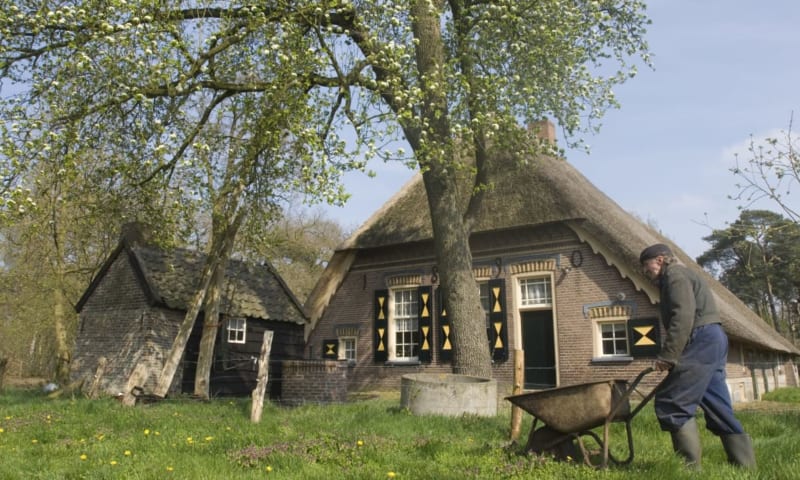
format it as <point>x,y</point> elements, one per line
<point>576,408</point>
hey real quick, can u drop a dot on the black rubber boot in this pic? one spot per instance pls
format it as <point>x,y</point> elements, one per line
<point>739,448</point>
<point>686,443</point>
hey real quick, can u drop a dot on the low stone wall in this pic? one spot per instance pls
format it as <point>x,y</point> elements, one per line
<point>313,381</point>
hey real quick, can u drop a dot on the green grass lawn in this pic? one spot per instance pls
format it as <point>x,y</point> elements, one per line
<point>370,439</point>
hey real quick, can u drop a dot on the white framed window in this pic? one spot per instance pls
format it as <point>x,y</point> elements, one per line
<point>347,348</point>
<point>486,300</point>
<point>237,330</point>
<point>535,292</point>
<point>612,338</point>
<point>403,325</point>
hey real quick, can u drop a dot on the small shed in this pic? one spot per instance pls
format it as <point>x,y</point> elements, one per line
<point>131,312</point>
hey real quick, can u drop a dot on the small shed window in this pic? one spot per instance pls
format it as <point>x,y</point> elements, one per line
<point>237,329</point>
<point>347,349</point>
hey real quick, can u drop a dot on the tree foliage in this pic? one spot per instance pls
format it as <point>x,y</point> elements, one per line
<point>757,257</point>
<point>142,83</point>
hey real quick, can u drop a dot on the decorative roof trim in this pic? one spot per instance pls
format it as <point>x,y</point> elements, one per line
<point>639,282</point>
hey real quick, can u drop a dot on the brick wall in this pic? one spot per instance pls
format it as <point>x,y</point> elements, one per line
<point>310,381</point>
<point>118,323</point>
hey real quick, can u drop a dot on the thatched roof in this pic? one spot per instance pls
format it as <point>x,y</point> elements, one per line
<point>538,192</point>
<point>170,279</point>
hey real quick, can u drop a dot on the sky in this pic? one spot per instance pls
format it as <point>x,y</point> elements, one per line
<point>724,71</point>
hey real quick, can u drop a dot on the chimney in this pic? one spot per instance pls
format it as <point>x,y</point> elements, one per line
<point>544,130</point>
<point>135,233</point>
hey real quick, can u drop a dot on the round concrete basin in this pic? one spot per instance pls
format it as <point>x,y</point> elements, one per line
<point>448,394</point>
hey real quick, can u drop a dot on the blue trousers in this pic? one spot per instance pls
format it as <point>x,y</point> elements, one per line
<point>698,380</point>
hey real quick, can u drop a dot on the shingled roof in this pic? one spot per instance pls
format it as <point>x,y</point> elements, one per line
<point>170,278</point>
<point>536,192</point>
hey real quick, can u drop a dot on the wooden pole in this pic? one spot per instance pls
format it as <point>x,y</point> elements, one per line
<point>263,377</point>
<point>519,379</point>
<point>3,364</point>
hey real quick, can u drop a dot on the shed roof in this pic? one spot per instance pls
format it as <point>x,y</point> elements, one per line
<point>170,279</point>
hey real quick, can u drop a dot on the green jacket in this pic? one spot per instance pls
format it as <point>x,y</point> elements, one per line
<point>686,303</point>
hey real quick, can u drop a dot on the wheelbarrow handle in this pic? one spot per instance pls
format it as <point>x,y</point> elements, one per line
<point>632,386</point>
<point>649,395</point>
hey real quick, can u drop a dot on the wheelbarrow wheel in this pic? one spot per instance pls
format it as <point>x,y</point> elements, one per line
<point>550,442</point>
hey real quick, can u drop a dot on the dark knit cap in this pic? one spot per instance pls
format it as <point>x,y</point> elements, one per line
<point>654,251</point>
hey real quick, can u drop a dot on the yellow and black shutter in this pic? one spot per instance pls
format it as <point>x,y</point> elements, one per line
<point>445,345</point>
<point>643,335</point>
<point>381,326</point>
<point>498,323</point>
<point>330,349</point>
<point>425,323</point>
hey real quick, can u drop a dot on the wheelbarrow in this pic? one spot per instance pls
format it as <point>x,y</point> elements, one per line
<point>570,413</point>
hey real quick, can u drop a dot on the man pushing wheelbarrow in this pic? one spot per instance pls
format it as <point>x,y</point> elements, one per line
<point>694,354</point>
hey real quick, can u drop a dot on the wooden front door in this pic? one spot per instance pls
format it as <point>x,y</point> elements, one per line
<point>539,345</point>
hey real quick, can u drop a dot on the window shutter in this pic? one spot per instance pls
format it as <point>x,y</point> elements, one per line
<point>498,334</point>
<point>425,323</point>
<point>381,313</point>
<point>330,349</point>
<point>445,346</point>
<point>643,337</point>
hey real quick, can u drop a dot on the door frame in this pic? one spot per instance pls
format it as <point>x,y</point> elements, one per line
<point>518,309</point>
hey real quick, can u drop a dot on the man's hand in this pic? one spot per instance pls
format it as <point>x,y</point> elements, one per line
<point>662,365</point>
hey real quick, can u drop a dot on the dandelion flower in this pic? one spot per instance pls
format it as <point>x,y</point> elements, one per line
<point>34,441</point>
<point>113,462</point>
<point>391,474</point>
<point>83,456</point>
<point>1,430</point>
<point>208,438</point>
<point>169,469</point>
<point>147,431</point>
<point>360,443</point>
<point>127,453</point>
<point>269,468</point>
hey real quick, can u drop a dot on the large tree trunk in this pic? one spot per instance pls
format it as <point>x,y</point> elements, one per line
<point>450,233</point>
<point>451,240</point>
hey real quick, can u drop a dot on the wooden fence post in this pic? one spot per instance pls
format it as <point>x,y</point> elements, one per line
<point>263,377</point>
<point>3,364</point>
<point>519,379</point>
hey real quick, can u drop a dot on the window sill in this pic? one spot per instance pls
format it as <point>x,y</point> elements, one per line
<point>610,359</point>
<point>402,363</point>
